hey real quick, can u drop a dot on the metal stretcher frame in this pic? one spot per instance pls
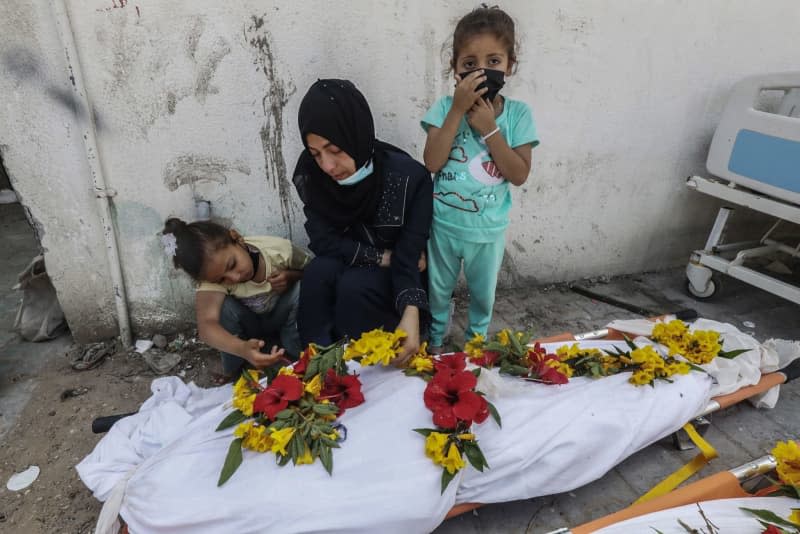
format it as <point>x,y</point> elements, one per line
<point>767,381</point>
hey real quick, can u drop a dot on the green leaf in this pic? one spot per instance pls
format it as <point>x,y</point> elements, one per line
<point>446,478</point>
<point>495,414</point>
<point>730,354</point>
<point>232,419</point>
<point>284,414</point>
<point>232,461</point>
<point>631,344</point>
<point>695,367</point>
<point>476,372</point>
<point>657,531</point>
<point>475,455</point>
<point>770,517</point>
<point>516,346</point>
<point>325,409</point>
<point>425,431</point>
<point>326,458</point>
<point>296,447</point>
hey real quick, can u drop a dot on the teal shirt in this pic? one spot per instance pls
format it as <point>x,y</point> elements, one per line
<point>472,200</point>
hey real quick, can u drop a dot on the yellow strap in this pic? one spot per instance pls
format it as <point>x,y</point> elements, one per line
<point>707,453</point>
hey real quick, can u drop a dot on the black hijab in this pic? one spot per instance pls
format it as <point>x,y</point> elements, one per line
<point>337,111</point>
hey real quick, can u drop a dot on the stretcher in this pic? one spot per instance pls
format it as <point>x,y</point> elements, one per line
<point>755,160</point>
<point>681,440</point>
<point>736,483</point>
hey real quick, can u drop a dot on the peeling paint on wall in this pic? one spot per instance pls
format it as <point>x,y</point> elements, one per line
<point>193,168</point>
<point>273,103</point>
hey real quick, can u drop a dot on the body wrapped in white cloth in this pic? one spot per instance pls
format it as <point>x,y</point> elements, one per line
<point>161,465</point>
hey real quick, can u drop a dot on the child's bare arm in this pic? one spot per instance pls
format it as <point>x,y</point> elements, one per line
<point>440,140</point>
<point>208,305</point>
<point>513,163</point>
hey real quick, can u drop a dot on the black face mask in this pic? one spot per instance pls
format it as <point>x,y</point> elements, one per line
<point>495,80</point>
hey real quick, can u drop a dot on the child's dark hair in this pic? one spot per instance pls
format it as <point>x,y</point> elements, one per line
<point>194,242</point>
<point>484,19</point>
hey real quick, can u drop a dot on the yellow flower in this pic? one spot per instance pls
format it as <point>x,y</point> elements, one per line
<point>333,435</point>
<point>641,377</point>
<point>795,517</point>
<point>375,346</point>
<point>561,367</point>
<point>421,364</point>
<point>280,439</point>
<point>453,461</point>
<point>306,457</point>
<point>314,386</point>
<point>788,456</point>
<point>288,371</point>
<point>434,446</point>
<point>466,437</point>
<point>254,436</point>
<point>474,347</point>
<point>565,352</point>
<point>504,337</point>
<point>245,404</point>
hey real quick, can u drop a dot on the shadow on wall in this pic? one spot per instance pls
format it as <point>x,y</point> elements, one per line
<point>23,66</point>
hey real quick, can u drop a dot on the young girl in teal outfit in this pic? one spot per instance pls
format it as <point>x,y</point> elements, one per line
<point>478,142</point>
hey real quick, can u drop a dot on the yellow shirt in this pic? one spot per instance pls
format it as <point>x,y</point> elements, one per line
<point>278,254</point>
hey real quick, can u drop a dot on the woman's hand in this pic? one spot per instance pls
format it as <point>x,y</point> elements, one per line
<point>409,323</point>
<point>465,94</point>
<point>422,264</point>
<point>481,117</point>
<point>386,259</point>
<point>251,351</point>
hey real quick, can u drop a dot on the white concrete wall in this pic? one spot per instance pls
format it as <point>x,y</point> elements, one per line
<point>199,99</point>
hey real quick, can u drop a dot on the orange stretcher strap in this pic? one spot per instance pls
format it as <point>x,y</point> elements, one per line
<point>707,453</point>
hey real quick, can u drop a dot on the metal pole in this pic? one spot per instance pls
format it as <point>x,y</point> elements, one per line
<point>101,192</point>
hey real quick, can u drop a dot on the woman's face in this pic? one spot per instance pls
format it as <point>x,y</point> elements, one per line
<point>334,161</point>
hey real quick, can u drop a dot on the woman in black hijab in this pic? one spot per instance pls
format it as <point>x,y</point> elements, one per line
<point>368,207</point>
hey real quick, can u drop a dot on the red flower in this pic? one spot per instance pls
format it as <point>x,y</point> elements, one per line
<point>282,390</point>
<point>450,396</point>
<point>551,375</point>
<point>452,363</point>
<point>488,359</point>
<point>343,391</point>
<point>772,529</point>
<point>301,364</point>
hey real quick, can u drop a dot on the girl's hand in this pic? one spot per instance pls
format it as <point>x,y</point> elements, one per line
<point>465,95</point>
<point>409,323</point>
<point>422,264</point>
<point>481,117</point>
<point>280,281</point>
<point>251,351</point>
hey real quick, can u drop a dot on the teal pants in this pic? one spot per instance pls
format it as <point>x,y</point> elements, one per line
<point>481,265</point>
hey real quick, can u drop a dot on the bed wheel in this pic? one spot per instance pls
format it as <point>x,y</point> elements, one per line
<point>709,291</point>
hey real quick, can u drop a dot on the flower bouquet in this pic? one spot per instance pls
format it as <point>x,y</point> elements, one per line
<point>456,405</point>
<point>294,415</point>
<point>698,347</point>
<point>787,455</point>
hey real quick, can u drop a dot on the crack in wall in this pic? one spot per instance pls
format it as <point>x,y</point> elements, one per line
<point>273,104</point>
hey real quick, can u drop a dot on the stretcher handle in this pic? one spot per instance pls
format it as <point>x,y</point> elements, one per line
<point>104,424</point>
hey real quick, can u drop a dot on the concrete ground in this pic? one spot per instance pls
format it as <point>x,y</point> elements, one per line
<point>739,433</point>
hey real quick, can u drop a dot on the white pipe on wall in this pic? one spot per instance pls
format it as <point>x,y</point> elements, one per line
<point>101,192</point>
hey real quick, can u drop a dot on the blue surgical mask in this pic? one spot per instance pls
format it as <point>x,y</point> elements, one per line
<point>357,176</point>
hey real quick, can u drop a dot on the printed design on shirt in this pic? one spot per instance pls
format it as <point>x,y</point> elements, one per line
<point>455,200</point>
<point>486,172</point>
<point>457,153</point>
<point>260,303</point>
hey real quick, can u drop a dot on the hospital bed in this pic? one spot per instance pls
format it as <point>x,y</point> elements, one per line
<point>755,162</point>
